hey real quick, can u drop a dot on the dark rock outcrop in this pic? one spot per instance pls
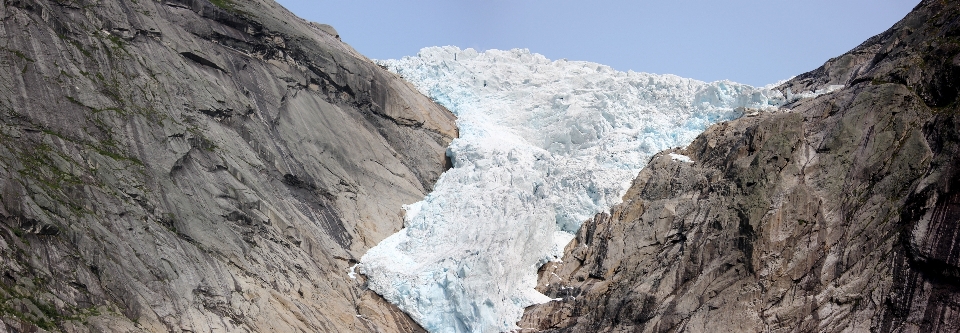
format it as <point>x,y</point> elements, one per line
<point>838,213</point>
<point>199,166</point>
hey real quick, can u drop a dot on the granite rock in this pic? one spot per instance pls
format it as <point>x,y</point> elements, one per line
<point>839,213</point>
<point>199,166</point>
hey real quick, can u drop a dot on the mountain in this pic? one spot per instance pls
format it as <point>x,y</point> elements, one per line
<point>222,165</point>
<point>836,213</point>
<point>197,166</point>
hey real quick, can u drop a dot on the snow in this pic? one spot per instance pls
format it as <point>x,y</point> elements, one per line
<point>681,158</point>
<point>353,271</point>
<point>791,97</point>
<point>544,145</point>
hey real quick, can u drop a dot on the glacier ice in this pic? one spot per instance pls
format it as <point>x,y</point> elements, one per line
<point>543,146</point>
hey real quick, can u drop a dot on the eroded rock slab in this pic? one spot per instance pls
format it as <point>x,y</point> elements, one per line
<point>195,166</point>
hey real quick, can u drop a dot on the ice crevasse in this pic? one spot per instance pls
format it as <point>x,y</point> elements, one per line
<point>544,145</point>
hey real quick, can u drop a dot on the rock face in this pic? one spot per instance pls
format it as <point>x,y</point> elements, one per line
<point>195,166</point>
<point>837,213</point>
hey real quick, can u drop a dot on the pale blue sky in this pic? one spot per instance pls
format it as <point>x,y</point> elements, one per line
<point>750,41</point>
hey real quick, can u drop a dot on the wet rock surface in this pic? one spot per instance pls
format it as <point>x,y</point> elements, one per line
<point>837,213</point>
<point>195,166</point>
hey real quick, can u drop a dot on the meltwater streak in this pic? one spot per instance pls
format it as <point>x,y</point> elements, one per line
<point>544,145</point>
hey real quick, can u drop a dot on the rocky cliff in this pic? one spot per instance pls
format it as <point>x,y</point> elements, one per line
<point>198,166</point>
<point>836,213</point>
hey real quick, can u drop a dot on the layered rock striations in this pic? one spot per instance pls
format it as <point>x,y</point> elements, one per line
<point>836,213</point>
<point>195,166</point>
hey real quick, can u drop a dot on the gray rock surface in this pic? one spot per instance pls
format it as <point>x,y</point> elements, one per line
<point>195,166</point>
<point>837,214</point>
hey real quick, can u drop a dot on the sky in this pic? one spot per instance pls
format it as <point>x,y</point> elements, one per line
<point>756,42</point>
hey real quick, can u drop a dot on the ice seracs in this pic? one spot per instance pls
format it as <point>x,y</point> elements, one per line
<point>543,146</point>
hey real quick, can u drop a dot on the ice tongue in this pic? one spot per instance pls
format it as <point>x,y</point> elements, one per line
<point>543,146</point>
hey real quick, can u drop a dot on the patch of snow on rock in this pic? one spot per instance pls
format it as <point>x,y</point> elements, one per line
<point>681,158</point>
<point>791,97</point>
<point>544,145</point>
<point>352,274</point>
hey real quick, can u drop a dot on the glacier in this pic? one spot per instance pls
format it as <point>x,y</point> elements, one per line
<point>544,145</point>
